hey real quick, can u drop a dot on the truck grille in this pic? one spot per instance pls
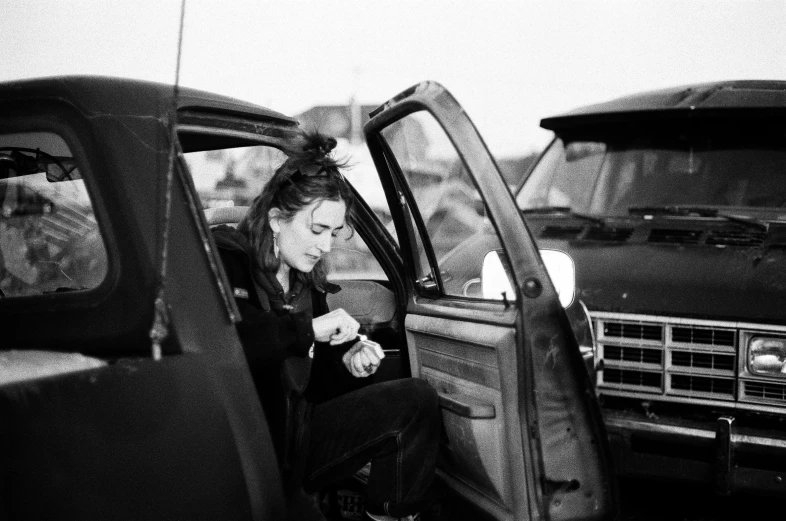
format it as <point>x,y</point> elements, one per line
<point>702,385</point>
<point>679,360</point>
<point>632,378</point>
<point>634,331</point>
<point>633,354</point>
<point>703,360</point>
<point>703,335</point>
<point>765,390</point>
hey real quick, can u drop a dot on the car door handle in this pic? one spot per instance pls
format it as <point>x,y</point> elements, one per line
<point>467,406</point>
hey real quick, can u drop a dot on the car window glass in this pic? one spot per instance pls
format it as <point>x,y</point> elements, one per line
<point>49,238</point>
<point>449,206</point>
<point>234,176</point>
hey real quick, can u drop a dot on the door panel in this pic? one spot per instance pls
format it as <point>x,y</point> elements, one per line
<point>525,439</point>
<point>461,361</point>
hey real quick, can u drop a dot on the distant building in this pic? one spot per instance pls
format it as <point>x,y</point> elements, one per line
<point>339,121</point>
<point>238,175</point>
<point>231,187</point>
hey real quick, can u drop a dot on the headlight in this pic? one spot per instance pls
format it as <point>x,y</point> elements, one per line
<point>767,355</point>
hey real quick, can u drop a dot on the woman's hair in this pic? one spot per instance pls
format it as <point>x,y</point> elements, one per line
<point>309,174</point>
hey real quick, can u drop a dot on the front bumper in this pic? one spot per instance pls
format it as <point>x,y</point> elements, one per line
<point>726,456</point>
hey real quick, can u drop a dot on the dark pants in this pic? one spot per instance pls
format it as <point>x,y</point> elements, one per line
<point>395,425</point>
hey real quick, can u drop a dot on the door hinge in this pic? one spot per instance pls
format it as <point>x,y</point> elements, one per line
<point>428,282</point>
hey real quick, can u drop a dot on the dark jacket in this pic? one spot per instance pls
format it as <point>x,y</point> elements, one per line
<point>271,336</point>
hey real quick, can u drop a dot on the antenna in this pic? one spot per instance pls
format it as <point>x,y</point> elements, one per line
<point>159,331</point>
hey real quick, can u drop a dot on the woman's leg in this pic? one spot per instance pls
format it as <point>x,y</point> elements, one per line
<point>395,425</point>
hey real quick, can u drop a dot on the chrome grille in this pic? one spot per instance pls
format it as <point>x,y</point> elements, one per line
<point>703,335</point>
<point>681,360</point>
<point>702,360</point>
<point>722,362</point>
<point>631,330</point>
<point>634,354</point>
<point>632,378</point>
<point>708,386</point>
<point>765,391</point>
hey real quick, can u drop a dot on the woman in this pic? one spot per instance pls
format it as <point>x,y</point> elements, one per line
<point>304,357</point>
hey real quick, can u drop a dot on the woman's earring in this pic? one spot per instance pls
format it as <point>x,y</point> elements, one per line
<point>275,245</point>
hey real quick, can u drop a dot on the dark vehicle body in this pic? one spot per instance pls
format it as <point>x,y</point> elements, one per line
<point>672,205</point>
<point>124,390</point>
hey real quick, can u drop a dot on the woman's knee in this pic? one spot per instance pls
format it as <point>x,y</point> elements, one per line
<point>421,397</point>
<point>426,394</point>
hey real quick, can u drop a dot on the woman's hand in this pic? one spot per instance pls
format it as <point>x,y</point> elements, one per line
<point>335,327</point>
<point>363,358</point>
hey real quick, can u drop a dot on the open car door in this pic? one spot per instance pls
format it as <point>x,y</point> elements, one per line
<point>524,436</point>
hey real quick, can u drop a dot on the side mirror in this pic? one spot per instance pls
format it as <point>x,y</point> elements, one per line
<point>495,283</point>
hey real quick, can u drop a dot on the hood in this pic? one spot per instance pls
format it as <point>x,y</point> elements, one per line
<point>669,267</point>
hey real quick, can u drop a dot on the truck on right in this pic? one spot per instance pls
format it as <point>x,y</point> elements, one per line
<point>672,205</point>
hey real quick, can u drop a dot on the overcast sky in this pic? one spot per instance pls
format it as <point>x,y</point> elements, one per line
<point>509,63</point>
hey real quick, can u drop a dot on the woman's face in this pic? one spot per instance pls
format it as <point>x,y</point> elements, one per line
<point>303,240</point>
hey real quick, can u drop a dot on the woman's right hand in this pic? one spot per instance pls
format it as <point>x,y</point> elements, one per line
<point>335,327</point>
<point>363,358</point>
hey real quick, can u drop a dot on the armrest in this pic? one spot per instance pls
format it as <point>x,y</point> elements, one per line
<point>467,406</point>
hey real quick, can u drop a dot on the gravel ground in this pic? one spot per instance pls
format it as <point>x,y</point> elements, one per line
<point>651,501</point>
<point>654,501</point>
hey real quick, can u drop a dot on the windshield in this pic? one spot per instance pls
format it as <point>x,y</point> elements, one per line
<point>612,175</point>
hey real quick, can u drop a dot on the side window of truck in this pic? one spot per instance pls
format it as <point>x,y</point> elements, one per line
<point>49,238</point>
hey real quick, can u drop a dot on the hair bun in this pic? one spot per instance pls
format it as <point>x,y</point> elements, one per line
<point>317,146</point>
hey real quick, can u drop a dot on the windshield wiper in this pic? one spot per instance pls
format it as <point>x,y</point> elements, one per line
<point>565,210</point>
<point>699,212</point>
